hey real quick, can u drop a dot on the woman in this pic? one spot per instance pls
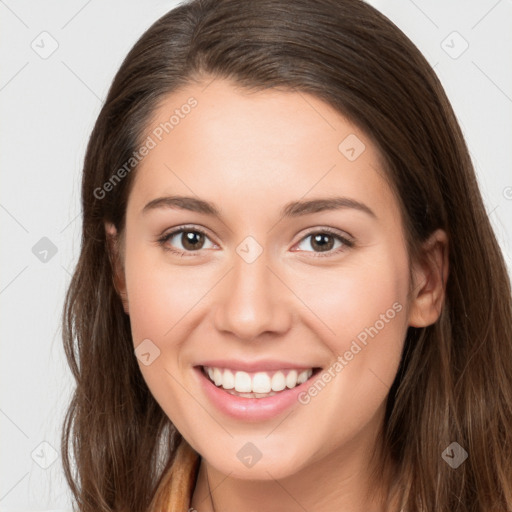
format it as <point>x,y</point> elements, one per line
<point>289,295</point>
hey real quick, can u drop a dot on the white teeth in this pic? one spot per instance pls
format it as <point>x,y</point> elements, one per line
<point>228,380</point>
<point>278,381</point>
<point>242,382</point>
<point>217,376</point>
<point>291,379</point>
<point>303,377</point>
<point>259,383</point>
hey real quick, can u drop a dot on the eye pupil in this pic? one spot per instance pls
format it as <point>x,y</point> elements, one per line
<point>323,241</point>
<point>190,239</point>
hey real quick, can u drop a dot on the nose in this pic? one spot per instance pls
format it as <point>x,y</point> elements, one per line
<point>253,300</point>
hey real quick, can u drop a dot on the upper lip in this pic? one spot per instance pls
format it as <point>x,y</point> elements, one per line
<point>255,366</point>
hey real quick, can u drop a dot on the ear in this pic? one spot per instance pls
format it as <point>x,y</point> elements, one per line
<point>430,276</point>
<point>116,263</point>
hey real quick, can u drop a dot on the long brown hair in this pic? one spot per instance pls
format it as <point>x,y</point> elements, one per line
<point>454,383</point>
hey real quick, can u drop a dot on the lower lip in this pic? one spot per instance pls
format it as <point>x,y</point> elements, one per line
<point>251,409</point>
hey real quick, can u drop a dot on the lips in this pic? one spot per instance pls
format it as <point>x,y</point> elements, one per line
<point>253,406</point>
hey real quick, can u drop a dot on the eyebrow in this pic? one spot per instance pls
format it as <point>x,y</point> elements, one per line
<point>292,209</point>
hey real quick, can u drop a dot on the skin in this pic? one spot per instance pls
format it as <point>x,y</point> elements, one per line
<point>250,154</point>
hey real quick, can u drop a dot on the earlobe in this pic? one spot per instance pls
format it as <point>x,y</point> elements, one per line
<point>116,264</point>
<point>430,274</point>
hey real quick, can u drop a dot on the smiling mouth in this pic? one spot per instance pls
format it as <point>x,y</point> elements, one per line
<point>261,384</point>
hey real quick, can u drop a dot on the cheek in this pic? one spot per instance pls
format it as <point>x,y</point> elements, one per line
<point>352,297</point>
<point>162,300</point>
<point>160,294</point>
<point>361,311</point>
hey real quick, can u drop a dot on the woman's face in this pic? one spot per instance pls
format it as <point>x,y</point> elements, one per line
<point>290,257</point>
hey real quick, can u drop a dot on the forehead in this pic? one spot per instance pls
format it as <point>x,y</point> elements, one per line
<point>259,150</point>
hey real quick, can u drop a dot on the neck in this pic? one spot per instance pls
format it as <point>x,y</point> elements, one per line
<point>341,481</point>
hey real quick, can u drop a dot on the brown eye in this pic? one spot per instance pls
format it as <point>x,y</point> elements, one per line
<point>192,240</point>
<point>322,241</point>
<point>325,242</point>
<point>184,241</point>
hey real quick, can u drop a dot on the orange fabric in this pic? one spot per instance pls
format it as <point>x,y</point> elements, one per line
<point>174,493</point>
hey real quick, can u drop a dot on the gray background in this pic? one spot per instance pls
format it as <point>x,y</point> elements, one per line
<point>48,104</point>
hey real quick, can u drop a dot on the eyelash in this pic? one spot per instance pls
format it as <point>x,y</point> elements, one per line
<point>347,242</point>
